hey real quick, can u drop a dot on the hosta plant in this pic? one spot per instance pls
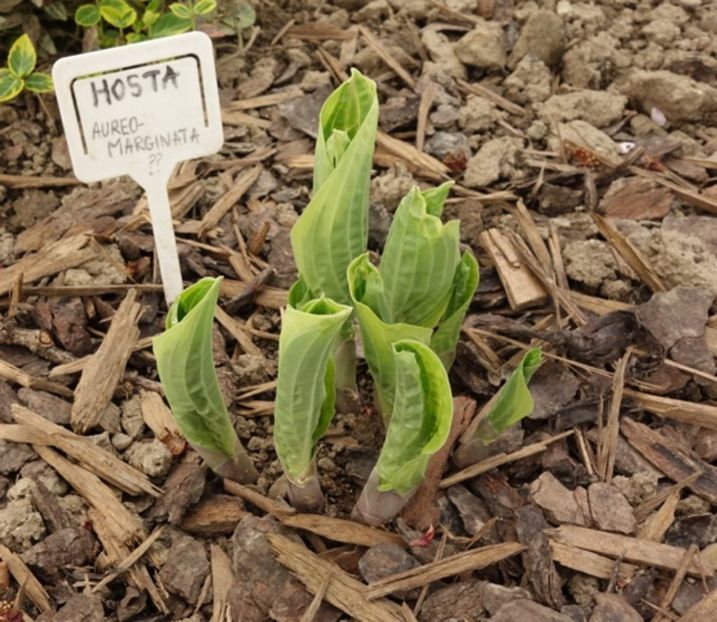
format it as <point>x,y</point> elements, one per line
<point>186,369</point>
<point>511,404</point>
<point>420,290</point>
<point>419,426</point>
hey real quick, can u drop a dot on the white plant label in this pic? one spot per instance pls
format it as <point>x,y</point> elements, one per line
<point>139,110</point>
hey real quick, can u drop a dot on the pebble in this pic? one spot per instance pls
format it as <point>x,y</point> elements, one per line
<point>543,36</point>
<point>151,457</point>
<point>483,46</point>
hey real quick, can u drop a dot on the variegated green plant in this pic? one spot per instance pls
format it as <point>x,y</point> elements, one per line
<point>419,426</point>
<point>511,404</point>
<point>305,394</point>
<point>420,290</point>
<point>186,369</point>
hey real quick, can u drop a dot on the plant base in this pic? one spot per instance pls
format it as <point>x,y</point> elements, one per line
<point>238,468</point>
<point>471,452</point>
<point>375,507</point>
<point>305,494</point>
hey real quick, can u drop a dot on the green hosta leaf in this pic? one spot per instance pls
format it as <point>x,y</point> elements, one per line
<point>149,18</point>
<point>465,282</point>
<point>182,11</point>
<point>118,13</point>
<point>169,24</point>
<point>87,15</point>
<point>333,229</point>
<point>22,58</point>
<point>514,401</point>
<point>378,337</point>
<point>305,393</point>
<point>10,85</point>
<point>419,259</point>
<point>245,16</point>
<point>186,369</point>
<point>204,7</point>
<point>421,419</point>
<point>39,82</point>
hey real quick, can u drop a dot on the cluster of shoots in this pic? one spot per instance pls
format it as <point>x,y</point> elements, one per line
<point>407,308</point>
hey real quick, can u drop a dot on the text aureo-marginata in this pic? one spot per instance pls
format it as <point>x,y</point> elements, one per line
<point>139,110</point>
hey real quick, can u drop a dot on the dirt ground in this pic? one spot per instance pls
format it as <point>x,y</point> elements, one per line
<point>582,137</point>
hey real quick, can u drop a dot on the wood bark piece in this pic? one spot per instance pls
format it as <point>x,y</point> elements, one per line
<point>655,526</point>
<point>631,549</point>
<point>237,331</point>
<point>495,461</point>
<point>26,580</point>
<point>269,297</point>
<point>386,57</point>
<point>37,181</point>
<point>64,254</point>
<point>693,413</point>
<point>343,591</point>
<point>222,579</point>
<point>671,460</point>
<point>126,525</point>
<point>106,366</point>
<point>422,510</point>
<point>341,530</point>
<point>88,454</point>
<point>215,515</point>
<point>442,568</point>
<point>159,419</point>
<point>277,509</point>
<point>521,286</point>
<point>243,182</point>
<point>590,563</point>
<point>675,583</point>
<point>607,443</point>
<point>116,551</point>
<point>18,376</point>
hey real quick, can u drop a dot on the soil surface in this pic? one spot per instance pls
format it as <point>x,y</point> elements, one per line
<point>582,137</point>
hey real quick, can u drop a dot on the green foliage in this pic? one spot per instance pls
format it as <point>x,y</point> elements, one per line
<point>421,419</point>
<point>121,21</point>
<point>513,402</point>
<point>20,72</point>
<point>333,228</point>
<point>186,369</point>
<point>305,395</point>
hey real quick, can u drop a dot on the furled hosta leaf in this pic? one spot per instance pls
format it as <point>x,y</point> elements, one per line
<point>378,336</point>
<point>39,82</point>
<point>118,13</point>
<point>186,369</point>
<point>465,282</point>
<point>305,391</point>
<point>21,58</point>
<point>421,419</point>
<point>10,85</point>
<point>333,228</point>
<point>419,259</point>
<point>514,401</point>
<point>87,15</point>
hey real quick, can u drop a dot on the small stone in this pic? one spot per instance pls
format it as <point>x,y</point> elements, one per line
<point>599,108</point>
<point>522,609</point>
<point>638,487</point>
<point>583,134</point>
<point>478,114</point>
<point>661,31</point>
<point>81,608</point>
<point>121,441</point>
<point>107,267</point>
<point>496,159</point>
<point>611,607</point>
<point>537,130</point>
<point>388,189</point>
<point>483,46</point>
<point>589,262</point>
<point>383,560</point>
<point>453,145</point>
<point>444,116</point>
<point>20,525</point>
<point>47,405</point>
<point>13,456</point>
<point>583,588</point>
<point>60,550</point>
<point>472,511</point>
<point>7,247</point>
<point>543,36</point>
<point>692,504</point>
<point>444,61</point>
<point>559,503</point>
<point>530,81</point>
<point>151,457</point>
<point>554,200</point>
<point>252,369</point>
<point>131,418</point>
<point>41,471</point>
<point>186,568</point>
<point>609,509</point>
<point>494,596</point>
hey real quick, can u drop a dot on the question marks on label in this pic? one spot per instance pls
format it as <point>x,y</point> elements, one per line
<point>154,160</point>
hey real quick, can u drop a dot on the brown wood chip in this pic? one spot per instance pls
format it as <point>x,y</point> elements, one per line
<point>26,580</point>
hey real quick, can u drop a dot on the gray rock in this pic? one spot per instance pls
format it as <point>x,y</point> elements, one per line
<point>151,457</point>
<point>47,405</point>
<point>483,46</point>
<point>599,108</point>
<point>559,503</point>
<point>81,608</point>
<point>530,81</point>
<point>543,36</point>
<point>444,61</point>
<point>478,114</point>
<point>20,525</point>
<point>609,509</point>
<point>494,596</point>
<point>584,134</point>
<point>13,456</point>
<point>496,159</point>
<point>589,262</point>
<point>383,560</point>
<point>60,550</point>
<point>678,97</point>
<point>613,607</point>
<point>523,609</point>
<point>131,417</point>
<point>186,568</point>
